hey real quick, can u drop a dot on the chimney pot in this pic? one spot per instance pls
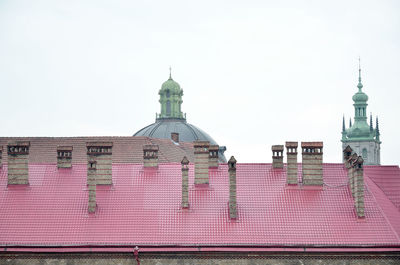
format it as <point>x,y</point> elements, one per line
<point>64,156</point>
<point>150,155</point>
<point>213,156</point>
<point>277,156</point>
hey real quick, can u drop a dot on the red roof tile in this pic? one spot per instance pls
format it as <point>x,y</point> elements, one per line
<point>142,208</point>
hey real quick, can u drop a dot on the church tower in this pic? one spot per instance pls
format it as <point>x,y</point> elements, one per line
<point>361,137</point>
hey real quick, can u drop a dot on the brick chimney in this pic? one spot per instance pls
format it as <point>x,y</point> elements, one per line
<point>101,152</point>
<point>312,163</point>
<point>350,171</point>
<point>201,156</point>
<point>291,154</point>
<point>277,156</point>
<point>175,137</point>
<point>18,153</point>
<point>64,156</point>
<point>359,186</point>
<point>232,188</point>
<point>346,154</point>
<point>213,156</point>
<point>185,182</point>
<point>150,155</point>
<point>91,175</point>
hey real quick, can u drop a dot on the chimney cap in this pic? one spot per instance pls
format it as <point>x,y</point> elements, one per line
<point>277,148</point>
<point>150,147</point>
<point>19,143</point>
<point>213,147</point>
<point>201,144</point>
<point>312,144</point>
<point>99,144</point>
<point>347,149</point>
<point>185,161</point>
<point>358,161</point>
<point>291,144</point>
<point>232,163</point>
<point>64,148</point>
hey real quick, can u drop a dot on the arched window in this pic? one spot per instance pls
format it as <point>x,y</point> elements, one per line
<point>168,107</point>
<point>168,94</point>
<point>365,154</point>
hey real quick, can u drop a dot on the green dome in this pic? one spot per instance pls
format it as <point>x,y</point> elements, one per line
<point>171,85</point>
<point>360,96</point>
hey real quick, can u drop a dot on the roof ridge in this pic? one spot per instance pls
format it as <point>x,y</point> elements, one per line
<point>370,181</point>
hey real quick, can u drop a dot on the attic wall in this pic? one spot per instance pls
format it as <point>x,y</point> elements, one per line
<point>200,259</point>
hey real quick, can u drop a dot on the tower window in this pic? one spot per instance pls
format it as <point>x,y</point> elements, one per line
<point>168,94</point>
<point>168,107</point>
<point>365,154</point>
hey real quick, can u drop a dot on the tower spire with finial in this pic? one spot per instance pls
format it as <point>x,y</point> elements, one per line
<point>170,77</point>
<point>371,127</point>
<point>350,123</point>
<point>343,125</point>
<point>359,74</point>
<point>377,129</point>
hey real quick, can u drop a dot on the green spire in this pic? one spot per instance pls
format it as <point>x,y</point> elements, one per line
<point>371,127</point>
<point>359,75</point>
<point>170,99</point>
<point>350,123</point>
<point>377,129</point>
<point>343,125</point>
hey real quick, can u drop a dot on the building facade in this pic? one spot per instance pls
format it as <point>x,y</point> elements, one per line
<point>362,137</point>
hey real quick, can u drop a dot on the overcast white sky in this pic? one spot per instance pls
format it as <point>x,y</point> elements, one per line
<point>254,73</point>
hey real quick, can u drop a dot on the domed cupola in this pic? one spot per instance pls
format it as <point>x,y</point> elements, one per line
<point>172,120</point>
<point>171,100</point>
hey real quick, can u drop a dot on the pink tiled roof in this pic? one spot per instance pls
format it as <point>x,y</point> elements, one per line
<point>142,208</point>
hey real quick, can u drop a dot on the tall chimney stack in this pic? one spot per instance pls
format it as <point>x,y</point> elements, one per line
<point>277,156</point>
<point>201,156</point>
<point>359,186</point>
<point>350,171</point>
<point>185,182</point>
<point>101,152</point>
<point>18,153</point>
<point>312,163</point>
<point>232,188</point>
<point>150,155</point>
<point>213,157</point>
<point>64,156</point>
<point>91,174</point>
<point>291,156</point>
